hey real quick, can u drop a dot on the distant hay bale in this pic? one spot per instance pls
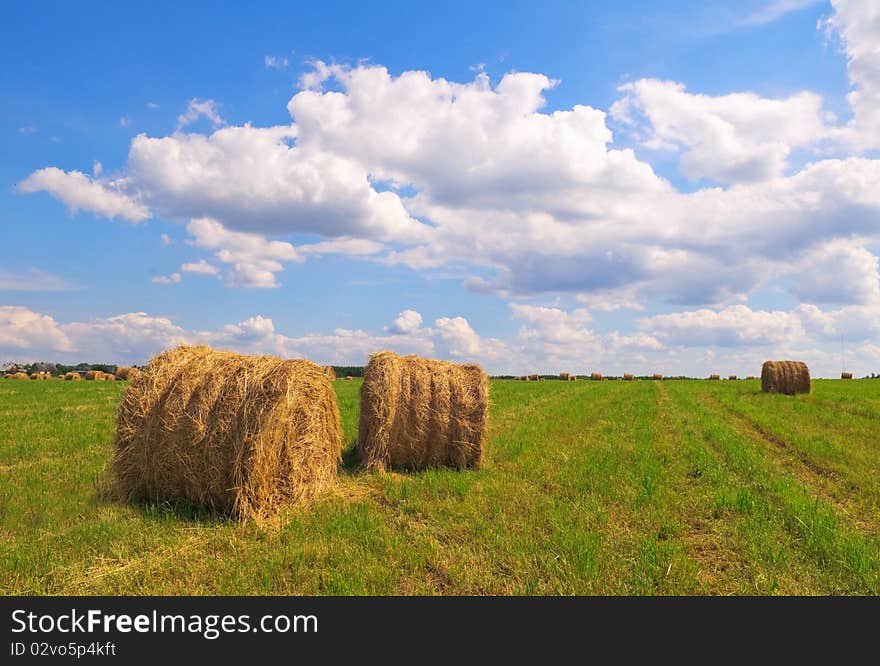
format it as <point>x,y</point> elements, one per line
<point>846,375</point>
<point>789,377</point>
<point>534,378</point>
<point>418,413</point>
<point>656,376</point>
<point>732,378</point>
<point>526,378</point>
<point>751,377</point>
<point>240,434</point>
<point>126,373</point>
<point>628,377</point>
<point>41,375</point>
<point>94,376</point>
<point>18,375</point>
<point>107,377</point>
<point>715,377</point>
<point>73,377</point>
<point>348,378</point>
<point>596,376</point>
<point>330,372</point>
<point>572,378</point>
<point>564,376</point>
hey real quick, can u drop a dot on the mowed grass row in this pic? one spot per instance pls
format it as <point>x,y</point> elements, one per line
<point>673,487</point>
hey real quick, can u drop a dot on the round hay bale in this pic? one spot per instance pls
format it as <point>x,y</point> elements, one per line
<point>732,378</point>
<point>241,434</point>
<point>534,378</point>
<point>418,413</point>
<point>628,377</point>
<point>18,375</point>
<point>596,376</point>
<point>73,377</point>
<point>789,377</point>
<point>331,373</point>
<point>107,377</point>
<point>846,375</point>
<point>126,373</point>
<point>572,378</point>
<point>348,378</point>
<point>564,376</point>
<point>715,377</point>
<point>94,376</point>
<point>656,376</point>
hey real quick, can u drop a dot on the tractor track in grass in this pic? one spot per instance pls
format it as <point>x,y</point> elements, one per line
<point>823,483</point>
<point>711,551</point>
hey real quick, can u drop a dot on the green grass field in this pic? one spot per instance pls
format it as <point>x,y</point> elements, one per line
<point>672,487</point>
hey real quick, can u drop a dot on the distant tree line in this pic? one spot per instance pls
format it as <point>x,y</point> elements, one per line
<point>349,370</point>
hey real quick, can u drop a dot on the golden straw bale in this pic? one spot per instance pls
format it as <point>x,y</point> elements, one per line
<point>241,434</point>
<point>418,413</point>
<point>73,377</point>
<point>330,371</point>
<point>656,376</point>
<point>789,377</point>
<point>596,376</point>
<point>732,378</point>
<point>846,375</point>
<point>564,376</point>
<point>628,377</point>
<point>126,373</point>
<point>715,377</point>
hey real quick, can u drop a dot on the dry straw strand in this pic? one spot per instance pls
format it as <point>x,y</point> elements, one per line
<point>418,413</point>
<point>240,434</point>
<point>789,377</point>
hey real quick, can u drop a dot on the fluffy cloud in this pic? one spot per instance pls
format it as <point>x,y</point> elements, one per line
<point>733,138</point>
<point>22,330</point>
<point>174,278</point>
<point>137,336</point>
<point>200,109</point>
<point>840,271</point>
<point>202,267</point>
<point>253,261</point>
<point>407,322</point>
<point>80,192</point>
<point>857,22</point>
<point>418,170</point>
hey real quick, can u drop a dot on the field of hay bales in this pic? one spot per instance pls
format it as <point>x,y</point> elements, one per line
<point>642,487</point>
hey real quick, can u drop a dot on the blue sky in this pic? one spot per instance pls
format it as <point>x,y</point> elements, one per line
<point>579,186</point>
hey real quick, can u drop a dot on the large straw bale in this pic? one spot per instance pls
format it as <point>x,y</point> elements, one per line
<point>418,413</point>
<point>789,377</point>
<point>240,434</point>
